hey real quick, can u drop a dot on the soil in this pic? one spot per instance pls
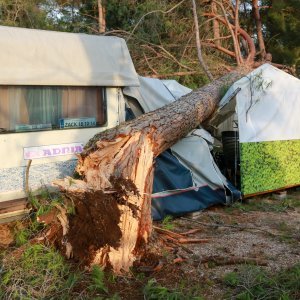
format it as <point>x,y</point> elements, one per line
<point>264,231</point>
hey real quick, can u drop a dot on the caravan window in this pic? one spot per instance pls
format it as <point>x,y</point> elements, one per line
<point>32,108</point>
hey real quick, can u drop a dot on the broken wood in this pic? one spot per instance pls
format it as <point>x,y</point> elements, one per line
<point>222,261</point>
<point>192,231</point>
<point>178,260</point>
<point>113,222</point>
<point>239,227</point>
<point>150,269</point>
<point>172,241</point>
<point>193,241</point>
<point>168,232</point>
<point>183,240</point>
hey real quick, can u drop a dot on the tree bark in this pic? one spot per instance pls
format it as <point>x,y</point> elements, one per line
<point>236,29</point>
<point>113,222</point>
<point>261,42</point>
<point>216,26</point>
<point>198,43</point>
<point>101,17</point>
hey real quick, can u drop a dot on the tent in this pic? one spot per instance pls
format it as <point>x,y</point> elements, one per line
<point>186,177</point>
<point>263,109</point>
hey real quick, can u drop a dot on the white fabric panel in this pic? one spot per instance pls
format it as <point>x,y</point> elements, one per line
<point>176,89</point>
<point>193,153</point>
<point>204,134</point>
<point>39,57</point>
<point>276,110</point>
<point>154,93</point>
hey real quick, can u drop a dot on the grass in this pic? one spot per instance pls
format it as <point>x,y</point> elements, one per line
<point>26,229</point>
<point>41,204</point>
<point>252,282</point>
<point>38,272</point>
<point>167,223</point>
<point>154,291</point>
<point>288,234</point>
<point>98,277</point>
<point>45,201</point>
<point>22,236</point>
<point>265,205</point>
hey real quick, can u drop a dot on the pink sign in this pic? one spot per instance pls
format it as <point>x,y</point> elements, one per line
<point>52,150</point>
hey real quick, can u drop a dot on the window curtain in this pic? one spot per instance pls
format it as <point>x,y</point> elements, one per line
<point>13,108</point>
<point>83,102</point>
<point>4,109</point>
<point>44,105</point>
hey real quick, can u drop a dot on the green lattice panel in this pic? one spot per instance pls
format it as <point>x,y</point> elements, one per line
<point>269,166</point>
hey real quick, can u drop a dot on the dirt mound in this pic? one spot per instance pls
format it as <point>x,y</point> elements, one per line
<point>95,223</point>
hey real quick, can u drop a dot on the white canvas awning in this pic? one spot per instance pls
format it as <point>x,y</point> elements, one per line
<point>155,93</point>
<point>39,57</point>
<point>267,105</point>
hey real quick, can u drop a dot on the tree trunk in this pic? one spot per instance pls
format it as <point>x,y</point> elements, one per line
<point>236,29</point>
<point>113,222</point>
<point>198,43</point>
<point>261,42</point>
<point>216,26</point>
<point>101,17</point>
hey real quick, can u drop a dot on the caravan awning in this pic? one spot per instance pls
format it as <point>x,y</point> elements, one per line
<point>39,57</point>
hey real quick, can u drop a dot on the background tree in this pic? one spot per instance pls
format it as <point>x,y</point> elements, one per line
<point>282,22</point>
<point>29,13</point>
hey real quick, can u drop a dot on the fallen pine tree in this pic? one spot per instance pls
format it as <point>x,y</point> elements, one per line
<point>112,223</point>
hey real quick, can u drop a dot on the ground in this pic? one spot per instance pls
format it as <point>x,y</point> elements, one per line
<point>233,246</point>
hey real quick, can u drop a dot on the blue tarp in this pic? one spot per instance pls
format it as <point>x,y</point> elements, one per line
<point>171,175</point>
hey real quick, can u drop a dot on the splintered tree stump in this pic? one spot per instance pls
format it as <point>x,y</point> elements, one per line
<point>112,223</point>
